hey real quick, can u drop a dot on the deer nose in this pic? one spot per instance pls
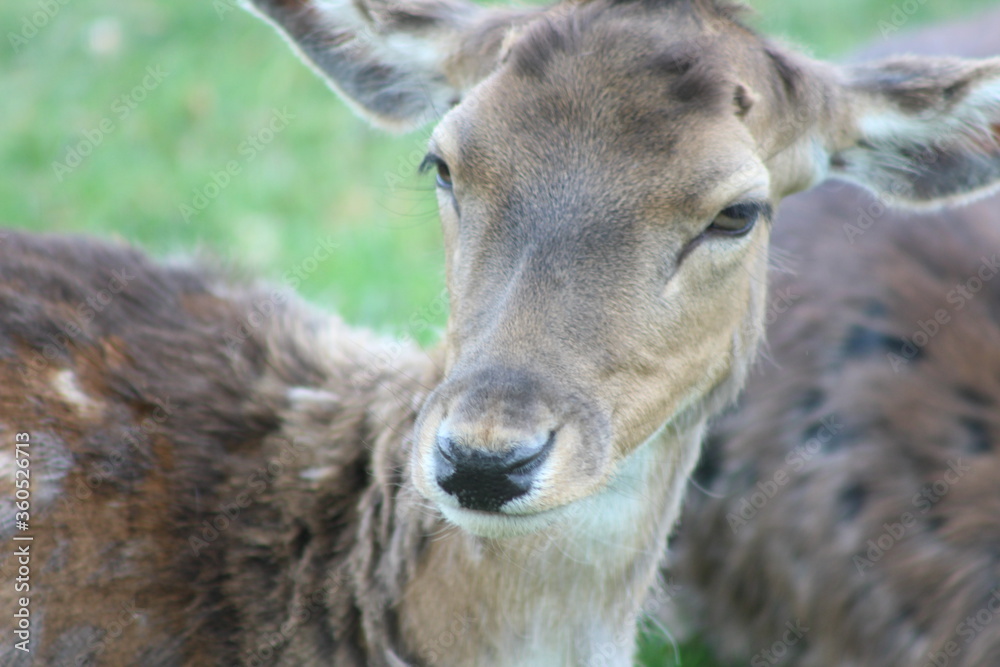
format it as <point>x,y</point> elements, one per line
<point>485,480</point>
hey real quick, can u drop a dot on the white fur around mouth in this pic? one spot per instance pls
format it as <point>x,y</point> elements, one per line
<point>496,525</point>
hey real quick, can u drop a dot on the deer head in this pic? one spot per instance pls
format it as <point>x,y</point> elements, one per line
<point>606,174</point>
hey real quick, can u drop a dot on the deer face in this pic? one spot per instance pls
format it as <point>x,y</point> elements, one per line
<point>606,246</point>
<point>606,174</point>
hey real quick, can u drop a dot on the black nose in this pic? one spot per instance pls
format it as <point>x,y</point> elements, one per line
<point>483,480</point>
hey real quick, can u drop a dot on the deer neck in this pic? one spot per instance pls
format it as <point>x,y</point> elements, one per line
<point>568,595</point>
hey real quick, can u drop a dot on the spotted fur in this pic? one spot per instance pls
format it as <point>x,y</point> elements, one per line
<point>856,489</point>
<point>257,485</point>
<point>248,442</point>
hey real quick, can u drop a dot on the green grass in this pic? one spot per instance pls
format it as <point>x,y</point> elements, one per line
<point>324,178</point>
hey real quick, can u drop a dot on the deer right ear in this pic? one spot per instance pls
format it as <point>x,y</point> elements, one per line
<point>922,130</point>
<point>399,65</point>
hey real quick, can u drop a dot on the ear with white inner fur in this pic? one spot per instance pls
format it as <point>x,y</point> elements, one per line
<point>922,131</point>
<point>398,65</point>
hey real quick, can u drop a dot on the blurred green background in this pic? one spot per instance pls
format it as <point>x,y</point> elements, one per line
<point>164,96</point>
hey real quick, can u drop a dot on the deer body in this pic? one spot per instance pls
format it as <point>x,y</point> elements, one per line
<point>281,494</point>
<point>855,491</point>
<point>251,541</point>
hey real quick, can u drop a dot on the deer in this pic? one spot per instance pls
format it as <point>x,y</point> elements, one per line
<point>224,475</point>
<point>846,512</point>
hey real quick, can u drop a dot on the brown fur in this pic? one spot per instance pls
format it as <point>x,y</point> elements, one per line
<point>904,418</point>
<point>230,552</point>
<point>897,433</point>
<point>607,172</point>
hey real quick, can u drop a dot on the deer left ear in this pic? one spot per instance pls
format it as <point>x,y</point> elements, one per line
<point>921,131</point>
<point>398,63</point>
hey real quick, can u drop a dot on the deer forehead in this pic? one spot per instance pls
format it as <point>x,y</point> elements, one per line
<point>610,107</point>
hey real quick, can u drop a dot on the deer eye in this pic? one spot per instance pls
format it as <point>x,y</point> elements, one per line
<point>738,219</point>
<point>443,176</point>
<point>443,173</point>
